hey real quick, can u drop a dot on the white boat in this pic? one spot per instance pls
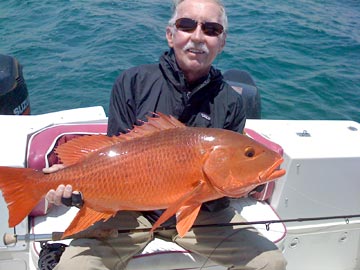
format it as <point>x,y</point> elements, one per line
<point>312,213</point>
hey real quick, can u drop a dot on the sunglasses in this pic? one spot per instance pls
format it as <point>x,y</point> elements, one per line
<point>188,25</point>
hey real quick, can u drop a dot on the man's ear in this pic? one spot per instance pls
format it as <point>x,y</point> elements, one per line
<point>170,36</point>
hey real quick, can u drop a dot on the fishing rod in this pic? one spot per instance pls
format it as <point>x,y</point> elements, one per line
<point>10,239</point>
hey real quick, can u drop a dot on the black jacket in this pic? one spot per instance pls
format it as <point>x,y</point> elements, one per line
<point>162,88</point>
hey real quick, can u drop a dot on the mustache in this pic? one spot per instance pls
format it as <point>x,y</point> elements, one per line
<point>196,46</point>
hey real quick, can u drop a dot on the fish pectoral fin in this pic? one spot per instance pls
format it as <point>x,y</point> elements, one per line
<point>175,207</point>
<point>185,218</point>
<point>85,218</point>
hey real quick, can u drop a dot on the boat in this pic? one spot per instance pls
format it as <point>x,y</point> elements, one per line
<point>312,213</point>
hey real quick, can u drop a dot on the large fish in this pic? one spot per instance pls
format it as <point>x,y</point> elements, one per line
<point>159,165</point>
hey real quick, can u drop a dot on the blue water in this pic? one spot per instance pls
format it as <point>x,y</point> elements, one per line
<point>303,55</point>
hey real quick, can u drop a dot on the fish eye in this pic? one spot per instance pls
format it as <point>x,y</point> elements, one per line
<point>249,152</point>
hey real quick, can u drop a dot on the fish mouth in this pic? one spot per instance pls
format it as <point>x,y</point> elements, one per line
<point>273,172</point>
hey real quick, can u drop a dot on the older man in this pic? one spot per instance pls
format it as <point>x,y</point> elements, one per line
<point>186,85</point>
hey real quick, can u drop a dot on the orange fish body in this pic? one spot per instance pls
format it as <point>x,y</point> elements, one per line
<point>159,165</point>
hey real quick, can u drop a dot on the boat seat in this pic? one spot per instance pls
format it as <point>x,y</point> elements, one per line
<point>40,149</point>
<point>159,254</point>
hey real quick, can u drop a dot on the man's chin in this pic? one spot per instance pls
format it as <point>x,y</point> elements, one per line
<point>196,65</point>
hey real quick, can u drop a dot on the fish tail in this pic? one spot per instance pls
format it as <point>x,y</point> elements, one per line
<point>20,191</point>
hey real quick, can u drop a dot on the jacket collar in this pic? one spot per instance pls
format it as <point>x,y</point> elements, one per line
<point>176,77</point>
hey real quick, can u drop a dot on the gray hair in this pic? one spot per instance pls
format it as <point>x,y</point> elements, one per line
<point>224,19</point>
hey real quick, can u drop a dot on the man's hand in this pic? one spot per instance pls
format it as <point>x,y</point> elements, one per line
<point>55,196</point>
<point>63,195</point>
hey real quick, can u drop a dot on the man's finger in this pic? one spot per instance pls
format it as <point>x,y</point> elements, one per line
<point>67,191</point>
<point>50,196</point>
<point>66,196</point>
<point>53,168</point>
<point>59,192</point>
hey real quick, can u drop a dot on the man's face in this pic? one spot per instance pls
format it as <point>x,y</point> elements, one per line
<point>195,51</point>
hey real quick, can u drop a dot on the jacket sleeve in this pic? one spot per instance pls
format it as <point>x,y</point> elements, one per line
<point>239,118</point>
<point>236,115</point>
<point>122,106</point>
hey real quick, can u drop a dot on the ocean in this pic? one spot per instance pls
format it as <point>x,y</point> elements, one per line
<point>303,55</point>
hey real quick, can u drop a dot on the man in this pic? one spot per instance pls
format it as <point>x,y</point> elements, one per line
<point>183,84</point>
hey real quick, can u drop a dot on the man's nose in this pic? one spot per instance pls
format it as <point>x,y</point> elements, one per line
<point>198,35</point>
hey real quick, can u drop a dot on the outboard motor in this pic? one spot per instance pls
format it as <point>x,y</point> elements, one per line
<point>14,97</point>
<point>243,83</point>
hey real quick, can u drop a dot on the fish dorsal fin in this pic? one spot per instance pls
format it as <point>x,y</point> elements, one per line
<point>78,148</point>
<point>155,124</point>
